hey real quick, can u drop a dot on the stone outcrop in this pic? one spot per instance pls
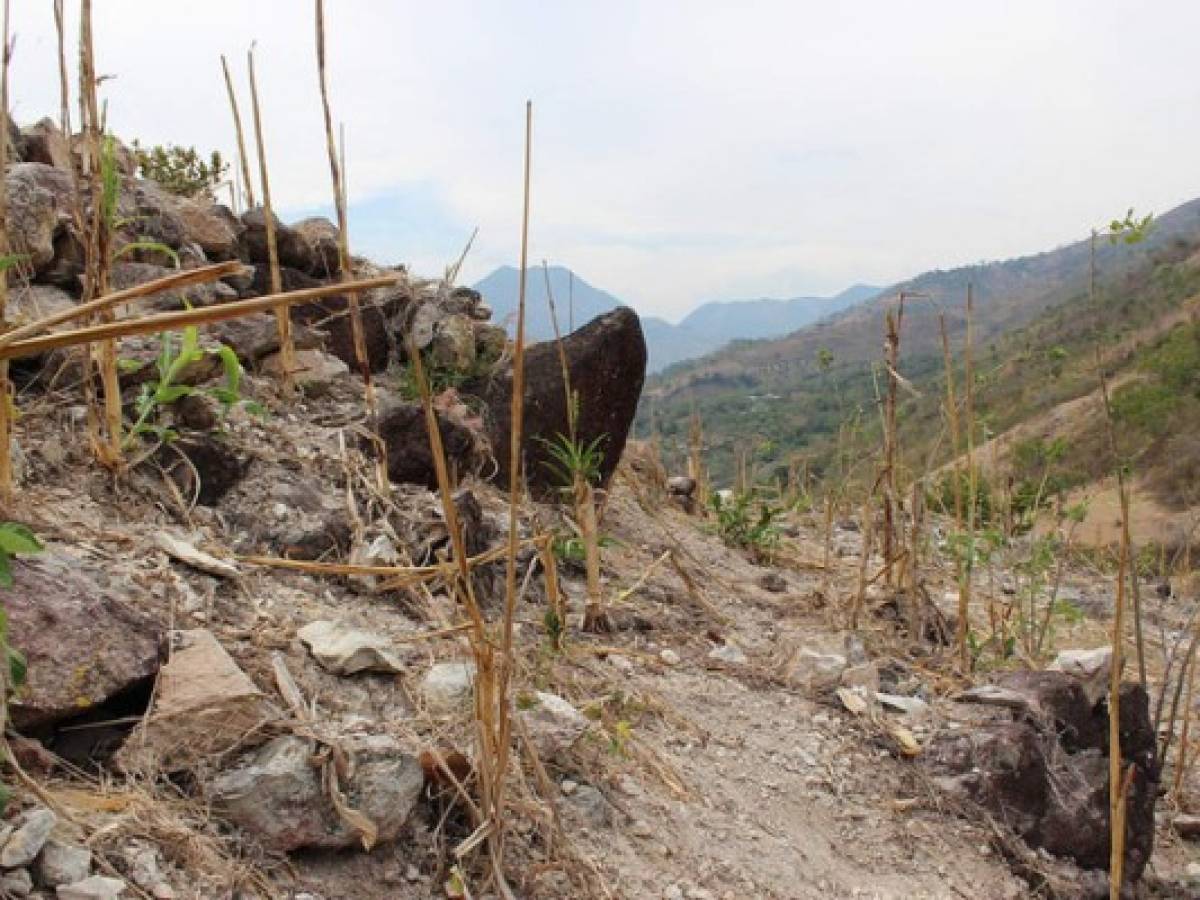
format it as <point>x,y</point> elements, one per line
<point>606,362</point>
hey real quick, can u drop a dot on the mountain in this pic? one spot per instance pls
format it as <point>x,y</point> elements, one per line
<point>775,398</point>
<point>707,328</point>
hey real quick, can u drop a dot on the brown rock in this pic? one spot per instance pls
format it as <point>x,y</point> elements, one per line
<point>85,638</point>
<point>294,252</point>
<point>204,705</point>
<point>321,236</point>
<point>212,226</point>
<point>606,360</point>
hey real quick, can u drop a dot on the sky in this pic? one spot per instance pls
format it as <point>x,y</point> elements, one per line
<point>682,151</point>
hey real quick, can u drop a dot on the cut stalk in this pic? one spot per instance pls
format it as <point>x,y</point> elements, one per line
<point>243,161</point>
<point>99,238</point>
<point>283,322</point>
<point>955,474</point>
<point>964,600</point>
<point>6,475</point>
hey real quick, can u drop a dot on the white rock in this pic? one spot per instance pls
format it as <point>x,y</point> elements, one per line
<point>728,653</point>
<point>912,706</point>
<point>1091,667</point>
<point>621,663</point>
<point>447,686</point>
<point>344,650</point>
<point>98,887</point>
<point>27,840</point>
<point>197,559</point>
<point>669,657</point>
<point>62,863</point>
<point>553,724</point>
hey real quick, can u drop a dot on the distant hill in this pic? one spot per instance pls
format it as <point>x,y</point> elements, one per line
<point>707,328</point>
<point>774,398</point>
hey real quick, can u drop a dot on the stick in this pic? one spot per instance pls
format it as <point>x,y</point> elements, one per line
<point>173,320</point>
<point>6,485</point>
<point>241,139</point>
<point>174,281</point>
<point>283,322</point>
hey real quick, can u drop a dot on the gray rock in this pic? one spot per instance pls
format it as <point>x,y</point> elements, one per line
<point>1091,668</point>
<point>26,842</point>
<point>321,237</point>
<point>589,807</point>
<point>29,303</point>
<point>98,887</point>
<point>344,650</point>
<point>447,686</point>
<point>37,204</point>
<point>453,344</point>
<point>44,142</point>
<point>728,653</point>
<point>131,274</point>
<point>62,863</point>
<point>681,485</point>
<point>814,671</point>
<point>773,582</point>
<point>552,723</point>
<point>278,798</point>
<point>314,371</point>
<point>17,883</point>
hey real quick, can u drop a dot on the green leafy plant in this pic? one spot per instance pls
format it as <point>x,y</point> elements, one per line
<point>746,522</point>
<point>574,459</point>
<point>171,364</point>
<point>180,170</point>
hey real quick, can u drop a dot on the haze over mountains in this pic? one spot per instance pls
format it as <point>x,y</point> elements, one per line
<point>707,328</point>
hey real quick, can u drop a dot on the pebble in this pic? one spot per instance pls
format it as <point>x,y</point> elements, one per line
<point>569,787</point>
<point>621,663</point>
<point>29,838</point>
<point>673,892</point>
<point>670,657</point>
<point>641,828</point>
<point>412,873</point>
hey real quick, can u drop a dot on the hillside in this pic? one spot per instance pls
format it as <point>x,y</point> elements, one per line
<point>776,398</point>
<point>707,328</point>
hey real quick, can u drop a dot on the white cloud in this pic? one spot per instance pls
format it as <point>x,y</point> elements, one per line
<point>687,151</point>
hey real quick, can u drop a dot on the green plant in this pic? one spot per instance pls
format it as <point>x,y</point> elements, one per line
<point>569,547</point>
<point>739,524</point>
<point>573,459</point>
<point>180,170</point>
<point>171,365</point>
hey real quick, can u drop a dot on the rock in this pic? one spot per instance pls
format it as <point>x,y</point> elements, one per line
<point>409,458</point>
<point>728,653</point>
<point>1092,668</point>
<point>197,559</point>
<point>447,686</point>
<point>256,338</point>
<point>606,360</point>
<point>814,671</point>
<point>293,251</point>
<point>315,369</point>
<point>44,142</point>
<point>56,608</point>
<point>589,807</point>
<point>345,651</point>
<point>30,835</point>
<point>62,863</point>
<point>98,887</point>
<point>552,723</point>
<point>490,343</point>
<point>453,346</point>
<point>1187,827</point>
<point>213,460</point>
<point>910,706</point>
<point>17,883</point>
<point>681,485</point>
<point>204,706</point>
<point>773,582</point>
<point>669,657</point>
<point>154,216</point>
<point>331,316</point>
<point>277,795</point>
<point>212,226</point>
<point>321,237</point>
<point>37,204</point>
<point>865,676</point>
<point>144,865</point>
<point>29,303</point>
<point>131,274</point>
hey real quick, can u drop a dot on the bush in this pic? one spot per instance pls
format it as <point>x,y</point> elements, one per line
<point>180,170</point>
<point>739,526</point>
<point>1145,405</point>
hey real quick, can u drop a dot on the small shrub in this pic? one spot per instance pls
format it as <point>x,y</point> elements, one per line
<point>180,170</point>
<point>742,526</point>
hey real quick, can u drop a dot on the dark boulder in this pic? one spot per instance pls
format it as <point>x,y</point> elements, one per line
<point>409,457</point>
<point>606,362</point>
<point>294,252</point>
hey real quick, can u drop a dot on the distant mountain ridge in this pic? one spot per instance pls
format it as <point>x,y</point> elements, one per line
<point>704,330</point>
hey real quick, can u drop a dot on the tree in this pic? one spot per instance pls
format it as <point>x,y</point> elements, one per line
<point>180,170</point>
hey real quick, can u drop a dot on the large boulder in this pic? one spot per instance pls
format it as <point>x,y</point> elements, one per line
<point>38,202</point>
<point>131,274</point>
<point>606,361</point>
<point>153,215</point>
<point>294,252</point>
<point>278,797</point>
<point>1043,768</point>
<point>85,637</point>
<point>211,226</point>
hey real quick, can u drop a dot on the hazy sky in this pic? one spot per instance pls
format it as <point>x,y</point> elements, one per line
<point>683,151</point>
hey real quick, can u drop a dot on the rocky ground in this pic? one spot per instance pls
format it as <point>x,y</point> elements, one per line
<point>200,721</point>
